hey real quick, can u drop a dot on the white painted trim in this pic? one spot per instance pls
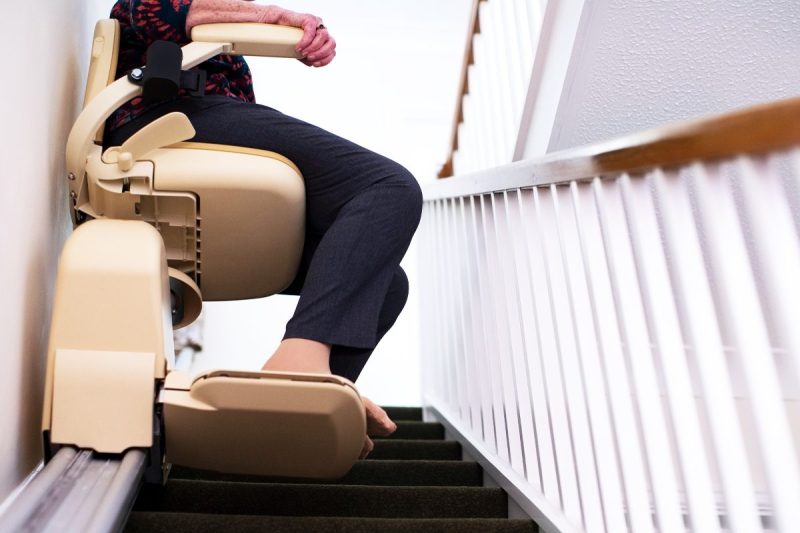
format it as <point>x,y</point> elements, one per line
<point>505,177</point>
<point>558,38</point>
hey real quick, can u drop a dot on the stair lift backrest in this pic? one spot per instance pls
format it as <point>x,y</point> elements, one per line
<point>232,218</point>
<point>103,62</point>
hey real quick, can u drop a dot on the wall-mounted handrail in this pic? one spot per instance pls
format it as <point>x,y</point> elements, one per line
<point>753,130</point>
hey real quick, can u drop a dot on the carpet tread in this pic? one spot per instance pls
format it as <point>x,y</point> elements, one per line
<point>209,523</point>
<point>398,449</point>
<point>408,472</point>
<point>187,496</point>
<point>403,413</point>
<point>407,429</point>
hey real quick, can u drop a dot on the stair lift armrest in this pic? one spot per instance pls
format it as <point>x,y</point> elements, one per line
<point>252,39</point>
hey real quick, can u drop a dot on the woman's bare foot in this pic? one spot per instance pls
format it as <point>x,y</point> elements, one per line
<point>368,447</point>
<point>306,356</point>
<point>300,355</point>
<point>378,422</point>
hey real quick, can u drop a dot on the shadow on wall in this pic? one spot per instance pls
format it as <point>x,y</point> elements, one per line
<point>38,119</point>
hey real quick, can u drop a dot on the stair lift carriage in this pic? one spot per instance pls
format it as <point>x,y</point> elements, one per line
<point>162,225</point>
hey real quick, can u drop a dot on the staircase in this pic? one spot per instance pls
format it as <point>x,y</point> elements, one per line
<point>413,481</point>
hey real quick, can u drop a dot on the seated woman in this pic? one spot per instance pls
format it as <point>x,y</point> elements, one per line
<point>362,209</point>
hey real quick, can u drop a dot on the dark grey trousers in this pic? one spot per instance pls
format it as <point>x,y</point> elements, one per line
<point>362,211</point>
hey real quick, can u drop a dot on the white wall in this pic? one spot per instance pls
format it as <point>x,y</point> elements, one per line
<point>637,65</point>
<point>42,87</point>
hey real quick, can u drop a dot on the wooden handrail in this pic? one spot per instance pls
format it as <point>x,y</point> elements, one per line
<point>469,59</point>
<point>755,130</point>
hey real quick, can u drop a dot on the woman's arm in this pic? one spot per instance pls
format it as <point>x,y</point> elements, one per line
<point>317,46</point>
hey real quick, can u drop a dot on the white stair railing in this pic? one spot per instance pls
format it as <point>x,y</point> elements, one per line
<point>612,331</point>
<point>500,52</point>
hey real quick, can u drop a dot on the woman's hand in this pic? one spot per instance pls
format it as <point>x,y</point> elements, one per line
<point>317,46</point>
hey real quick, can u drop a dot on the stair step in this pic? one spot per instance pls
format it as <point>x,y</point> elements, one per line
<point>404,413</point>
<point>431,450</point>
<point>209,523</point>
<point>185,496</point>
<point>386,473</point>
<point>407,429</point>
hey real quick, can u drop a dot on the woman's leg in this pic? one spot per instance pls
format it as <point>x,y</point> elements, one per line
<point>362,210</point>
<point>300,355</point>
<point>347,361</point>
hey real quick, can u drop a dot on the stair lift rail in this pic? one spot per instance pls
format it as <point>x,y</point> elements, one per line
<point>78,490</point>
<point>613,328</point>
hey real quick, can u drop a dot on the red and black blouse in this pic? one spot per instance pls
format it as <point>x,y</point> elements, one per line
<point>144,21</point>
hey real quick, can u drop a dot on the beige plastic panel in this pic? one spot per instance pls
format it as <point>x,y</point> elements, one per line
<point>103,63</point>
<point>174,214</point>
<point>251,214</point>
<point>264,423</point>
<point>111,295</point>
<point>252,39</point>
<point>103,400</point>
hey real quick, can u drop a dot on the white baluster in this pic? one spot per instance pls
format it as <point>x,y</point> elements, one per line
<point>615,370</point>
<point>501,112</point>
<point>524,42</point>
<point>561,301</point>
<point>567,496</point>
<point>627,298</point>
<point>509,52</point>
<point>504,355</point>
<point>476,343</point>
<point>518,352</point>
<point>699,324</point>
<point>490,328</point>
<point>742,318</point>
<point>461,370</point>
<point>654,285</point>
<point>597,398</point>
<point>467,144</point>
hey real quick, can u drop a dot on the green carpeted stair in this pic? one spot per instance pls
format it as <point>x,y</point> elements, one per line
<point>413,481</point>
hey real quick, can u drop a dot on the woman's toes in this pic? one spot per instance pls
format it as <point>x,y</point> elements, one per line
<point>378,422</point>
<point>368,447</point>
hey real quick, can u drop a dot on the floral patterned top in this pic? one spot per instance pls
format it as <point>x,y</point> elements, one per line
<point>144,21</point>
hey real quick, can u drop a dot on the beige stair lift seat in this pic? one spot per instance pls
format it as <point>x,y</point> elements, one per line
<point>232,218</point>
<point>226,222</point>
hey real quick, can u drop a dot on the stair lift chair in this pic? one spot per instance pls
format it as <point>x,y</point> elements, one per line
<point>162,225</point>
